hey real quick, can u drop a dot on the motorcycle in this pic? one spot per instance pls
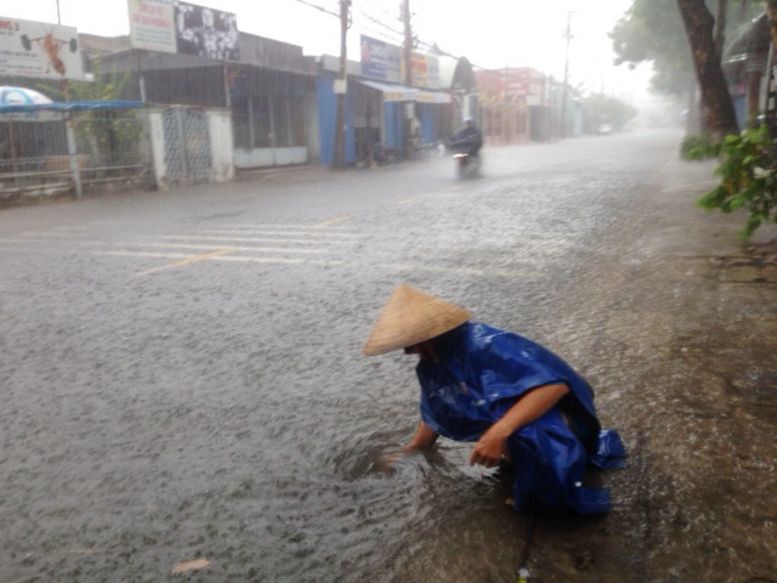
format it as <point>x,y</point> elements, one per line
<point>467,165</point>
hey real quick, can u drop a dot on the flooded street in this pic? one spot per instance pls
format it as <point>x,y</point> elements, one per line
<point>181,373</point>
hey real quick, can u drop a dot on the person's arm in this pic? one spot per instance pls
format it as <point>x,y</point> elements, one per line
<point>493,443</point>
<point>423,438</point>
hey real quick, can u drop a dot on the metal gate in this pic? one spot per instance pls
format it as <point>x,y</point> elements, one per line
<point>187,144</point>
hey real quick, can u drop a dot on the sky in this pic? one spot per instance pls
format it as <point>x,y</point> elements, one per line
<point>495,34</point>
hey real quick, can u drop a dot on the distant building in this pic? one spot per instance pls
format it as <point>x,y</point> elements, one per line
<point>744,64</point>
<point>380,108</point>
<point>270,91</point>
<point>514,105</point>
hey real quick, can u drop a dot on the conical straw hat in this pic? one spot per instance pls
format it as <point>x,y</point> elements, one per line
<point>412,316</point>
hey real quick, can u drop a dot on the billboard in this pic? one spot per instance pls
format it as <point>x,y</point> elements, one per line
<point>425,70</point>
<point>380,60</point>
<point>204,32</point>
<point>37,49</point>
<point>181,27</point>
<point>151,25</point>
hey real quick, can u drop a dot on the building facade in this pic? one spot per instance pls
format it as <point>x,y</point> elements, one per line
<point>382,115</point>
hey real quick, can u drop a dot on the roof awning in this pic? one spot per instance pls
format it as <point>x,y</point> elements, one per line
<point>392,92</point>
<point>71,106</point>
<point>432,97</point>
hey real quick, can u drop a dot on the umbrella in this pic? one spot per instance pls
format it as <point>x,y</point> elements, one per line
<point>21,96</point>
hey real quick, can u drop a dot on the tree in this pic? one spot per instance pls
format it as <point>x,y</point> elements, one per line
<point>654,31</point>
<point>771,9</point>
<point>719,116</point>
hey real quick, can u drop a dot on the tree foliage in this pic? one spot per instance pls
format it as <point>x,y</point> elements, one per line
<point>652,31</point>
<point>748,172</point>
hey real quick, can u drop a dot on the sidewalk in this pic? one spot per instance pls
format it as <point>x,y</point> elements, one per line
<point>695,315</point>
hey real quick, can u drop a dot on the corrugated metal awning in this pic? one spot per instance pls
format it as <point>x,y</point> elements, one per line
<point>432,97</point>
<point>393,92</point>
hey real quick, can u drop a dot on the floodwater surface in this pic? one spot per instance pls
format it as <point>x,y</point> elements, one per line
<point>182,378</point>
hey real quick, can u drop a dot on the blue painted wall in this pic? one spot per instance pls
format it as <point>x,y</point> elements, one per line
<point>429,114</point>
<point>327,118</point>
<point>393,125</point>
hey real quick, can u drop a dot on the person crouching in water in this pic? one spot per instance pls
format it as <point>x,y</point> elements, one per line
<point>515,399</point>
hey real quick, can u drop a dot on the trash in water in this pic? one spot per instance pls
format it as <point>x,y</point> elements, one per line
<point>193,565</point>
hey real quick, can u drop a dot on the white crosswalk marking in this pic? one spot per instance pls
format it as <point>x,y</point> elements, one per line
<point>275,226</point>
<point>290,233</point>
<point>260,244</point>
<point>263,239</point>
<point>119,253</point>
<point>246,248</point>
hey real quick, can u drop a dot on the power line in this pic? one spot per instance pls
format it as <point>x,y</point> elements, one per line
<point>380,35</point>
<point>380,22</point>
<point>381,9</point>
<point>320,8</point>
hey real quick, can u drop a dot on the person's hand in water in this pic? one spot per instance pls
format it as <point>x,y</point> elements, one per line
<point>423,439</point>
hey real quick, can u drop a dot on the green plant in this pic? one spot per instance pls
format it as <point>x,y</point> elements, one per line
<point>748,172</point>
<point>698,147</point>
<point>106,136</point>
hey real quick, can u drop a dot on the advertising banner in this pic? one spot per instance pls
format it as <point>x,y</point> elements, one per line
<point>37,49</point>
<point>204,32</point>
<point>425,70</point>
<point>151,25</point>
<point>180,27</point>
<point>380,60</point>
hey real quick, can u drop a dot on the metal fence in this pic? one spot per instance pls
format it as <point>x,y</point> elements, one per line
<point>50,153</point>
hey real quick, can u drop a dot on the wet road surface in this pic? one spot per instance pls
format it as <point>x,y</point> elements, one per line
<point>181,374</point>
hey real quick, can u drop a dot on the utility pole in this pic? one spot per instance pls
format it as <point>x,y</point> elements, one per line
<point>564,94</point>
<point>341,87</point>
<point>70,135</point>
<point>408,61</point>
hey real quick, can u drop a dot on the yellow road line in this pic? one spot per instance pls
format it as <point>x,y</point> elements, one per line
<point>406,200</point>
<point>189,260</point>
<point>334,221</point>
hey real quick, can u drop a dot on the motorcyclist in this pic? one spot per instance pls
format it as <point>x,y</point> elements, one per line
<point>469,139</point>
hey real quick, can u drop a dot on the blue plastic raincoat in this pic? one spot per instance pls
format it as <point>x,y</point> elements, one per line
<point>480,374</point>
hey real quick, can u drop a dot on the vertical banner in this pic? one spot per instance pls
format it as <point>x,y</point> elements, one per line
<point>151,25</point>
<point>37,49</point>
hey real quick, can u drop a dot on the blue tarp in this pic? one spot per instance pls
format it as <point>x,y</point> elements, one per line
<point>72,106</point>
<point>480,374</point>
